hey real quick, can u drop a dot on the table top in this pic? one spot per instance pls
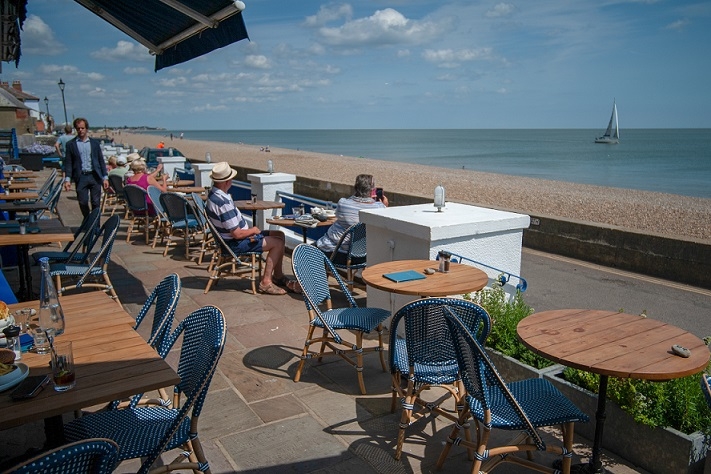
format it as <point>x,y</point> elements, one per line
<point>250,205</point>
<point>18,185</point>
<point>459,280</point>
<point>19,196</point>
<point>612,343</point>
<point>181,182</point>
<point>292,222</point>
<point>186,189</point>
<point>50,230</point>
<point>21,174</point>
<point>15,206</point>
<point>112,361</point>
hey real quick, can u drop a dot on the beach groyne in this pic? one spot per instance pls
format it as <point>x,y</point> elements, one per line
<point>656,234</point>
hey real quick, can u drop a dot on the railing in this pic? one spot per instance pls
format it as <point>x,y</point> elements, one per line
<point>295,200</point>
<point>503,277</point>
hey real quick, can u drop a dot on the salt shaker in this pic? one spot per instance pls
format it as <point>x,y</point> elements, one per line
<point>12,335</point>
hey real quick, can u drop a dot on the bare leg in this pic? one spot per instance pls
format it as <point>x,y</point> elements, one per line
<point>274,244</point>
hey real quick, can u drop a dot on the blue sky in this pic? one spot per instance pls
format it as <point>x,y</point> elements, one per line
<point>389,64</point>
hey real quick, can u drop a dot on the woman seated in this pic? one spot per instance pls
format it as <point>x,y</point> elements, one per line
<point>142,179</point>
<point>364,197</point>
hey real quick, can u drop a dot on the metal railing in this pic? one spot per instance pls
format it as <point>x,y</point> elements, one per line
<point>503,277</point>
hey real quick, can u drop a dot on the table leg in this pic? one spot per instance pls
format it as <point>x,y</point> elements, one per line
<point>26,292</point>
<point>595,465</point>
<point>22,292</point>
<point>54,432</point>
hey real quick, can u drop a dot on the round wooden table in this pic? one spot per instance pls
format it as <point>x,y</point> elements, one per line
<point>304,229</point>
<point>459,280</point>
<point>614,344</point>
<point>254,206</point>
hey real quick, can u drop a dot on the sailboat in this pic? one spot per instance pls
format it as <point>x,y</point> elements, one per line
<point>612,134</point>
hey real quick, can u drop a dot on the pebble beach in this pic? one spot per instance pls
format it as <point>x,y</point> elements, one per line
<point>663,214</point>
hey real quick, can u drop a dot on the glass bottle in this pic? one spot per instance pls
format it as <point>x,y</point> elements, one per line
<point>51,316</point>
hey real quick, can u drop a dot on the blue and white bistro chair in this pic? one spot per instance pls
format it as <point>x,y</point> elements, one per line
<point>89,456</point>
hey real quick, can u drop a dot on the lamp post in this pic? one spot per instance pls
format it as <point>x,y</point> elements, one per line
<point>61,88</point>
<point>46,104</point>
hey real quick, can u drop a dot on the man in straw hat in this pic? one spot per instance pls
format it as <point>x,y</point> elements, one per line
<point>240,237</point>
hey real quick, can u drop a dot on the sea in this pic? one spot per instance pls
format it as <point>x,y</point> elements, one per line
<point>675,161</point>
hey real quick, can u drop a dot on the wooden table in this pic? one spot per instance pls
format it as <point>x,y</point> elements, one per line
<point>14,207</point>
<point>112,362</point>
<point>21,174</point>
<point>186,189</point>
<point>304,229</point>
<point>50,231</point>
<point>459,280</point>
<point>611,344</point>
<point>19,185</point>
<point>255,206</point>
<point>181,182</point>
<point>19,196</point>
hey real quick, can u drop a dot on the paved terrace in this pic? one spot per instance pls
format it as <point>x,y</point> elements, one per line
<point>256,419</point>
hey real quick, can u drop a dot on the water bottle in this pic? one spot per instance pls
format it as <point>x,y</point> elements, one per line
<point>51,316</point>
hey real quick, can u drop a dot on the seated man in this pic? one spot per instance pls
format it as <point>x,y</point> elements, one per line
<point>240,237</point>
<point>364,197</point>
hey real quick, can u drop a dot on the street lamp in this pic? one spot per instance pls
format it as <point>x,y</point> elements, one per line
<point>46,103</point>
<point>61,88</point>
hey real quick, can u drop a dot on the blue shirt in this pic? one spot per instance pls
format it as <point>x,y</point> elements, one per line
<point>84,148</point>
<point>223,214</point>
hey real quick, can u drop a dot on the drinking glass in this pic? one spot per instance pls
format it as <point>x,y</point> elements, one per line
<point>40,339</point>
<point>63,373</point>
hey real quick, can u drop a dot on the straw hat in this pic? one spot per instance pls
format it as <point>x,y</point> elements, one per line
<point>222,172</point>
<point>121,160</point>
<point>133,156</point>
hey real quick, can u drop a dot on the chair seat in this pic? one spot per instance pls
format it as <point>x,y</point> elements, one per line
<point>433,374</point>
<point>181,224</point>
<point>362,319</point>
<point>540,400</point>
<point>136,431</point>
<point>56,255</point>
<point>73,269</point>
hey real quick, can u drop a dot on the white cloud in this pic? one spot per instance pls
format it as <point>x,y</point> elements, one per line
<point>402,53</point>
<point>135,71</point>
<point>56,69</point>
<point>173,82</point>
<point>95,76</point>
<point>450,58</point>
<point>678,25</point>
<point>209,108</point>
<point>386,26</point>
<point>257,61</point>
<point>329,13</point>
<point>500,9</point>
<point>123,51</point>
<point>38,38</point>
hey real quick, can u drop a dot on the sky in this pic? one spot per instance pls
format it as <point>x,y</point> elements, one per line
<point>378,64</point>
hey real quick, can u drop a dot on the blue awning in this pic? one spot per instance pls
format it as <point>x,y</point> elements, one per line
<point>175,30</point>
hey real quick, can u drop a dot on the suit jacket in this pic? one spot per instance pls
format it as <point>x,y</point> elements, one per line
<point>72,160</point>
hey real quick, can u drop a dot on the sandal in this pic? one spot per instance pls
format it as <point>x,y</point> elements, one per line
<point>291,285</point>
<point>271,289</point>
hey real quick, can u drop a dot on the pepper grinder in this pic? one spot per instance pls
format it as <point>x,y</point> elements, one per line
<point>12,335</point>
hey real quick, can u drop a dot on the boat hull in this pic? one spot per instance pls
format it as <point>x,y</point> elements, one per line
<point>608,140</point>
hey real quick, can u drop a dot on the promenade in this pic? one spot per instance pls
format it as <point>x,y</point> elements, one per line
<point>256,419</point>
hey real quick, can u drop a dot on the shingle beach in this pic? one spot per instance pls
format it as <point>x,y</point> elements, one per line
<point>643,211</point>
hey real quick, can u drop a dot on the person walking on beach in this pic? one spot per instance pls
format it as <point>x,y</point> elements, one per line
<point>364,197</point>
<point>61,142</point>
<point>84,164</point>
<point>228,220</point>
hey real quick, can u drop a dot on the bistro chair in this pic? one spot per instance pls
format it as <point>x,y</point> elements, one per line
<point>177,210</point>
<point>310,267</point>
<point>207,244</point>
<point>706,387</point>
<point>522,406</point>
<point>116,183</point>
<point>350,252</point>
<point>138,210</point>
<point>89,456</point>
<point>226,261</point>
<point>162,224</point>
<point>148,431</point>
<point>96,268</point>
<point>84,239</point>
<point>425,359</point>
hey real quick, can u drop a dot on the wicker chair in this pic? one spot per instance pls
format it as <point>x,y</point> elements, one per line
<point>148,431</point>
<point>310,267</point>
<point>178,211</point>
<point>706,387</point>
<point>350,252</point>
<point>84,239</point>
<point>162,224</point>
<point>138,210</point>
<point>522,407</point>
<point>207,244</point>
<point>226,261</point>
<point>425,359</point>
<point>116,183</point>
<point>89,456</point>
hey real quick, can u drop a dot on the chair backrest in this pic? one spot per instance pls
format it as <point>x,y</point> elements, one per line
<point>135,198</point>
<point>47,183</point>
<point>154,193</point>
<point>84,231</point>
<point>480,377</point>
<point>89,456</point>
<point>165,296</point>
<point>199,206</point>
<point>116,183</point>
<point>175,206</point>
<point>108,232</point>
<point>427,336</point>
<point>203,334</point>
<point>706,387</point>
<point>353,242</point>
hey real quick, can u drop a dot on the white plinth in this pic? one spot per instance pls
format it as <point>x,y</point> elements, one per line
<point>266,186</point>
<point>170,163</point>
<point>202,174</point>
<point>419,232</point>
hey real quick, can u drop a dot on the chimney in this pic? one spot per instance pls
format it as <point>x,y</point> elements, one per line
<point>17,85</point>
<point>4,84</point>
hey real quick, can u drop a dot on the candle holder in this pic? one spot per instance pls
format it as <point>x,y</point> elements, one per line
<point>439,199</point>
<point>270,166</point>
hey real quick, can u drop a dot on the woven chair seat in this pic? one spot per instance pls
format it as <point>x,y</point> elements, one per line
<point>73,269</point>
<point>435,373</point>
<point>135,430</point>
<point>361,319</point>
<point>181,224</point>
<point>58,255</point>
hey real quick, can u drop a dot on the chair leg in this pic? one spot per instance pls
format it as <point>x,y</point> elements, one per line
<point>129,230</point>
<point>304,354</point>
<point>215,274</point>
<point>359,361</point>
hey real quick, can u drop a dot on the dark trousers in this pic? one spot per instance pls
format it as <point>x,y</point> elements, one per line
<point>88,187</point>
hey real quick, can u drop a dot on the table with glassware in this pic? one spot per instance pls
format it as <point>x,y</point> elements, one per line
<point>43,231</point>
<point>112,361</point>
<point>13,207</point>
<point>20,196</point>
<point>290,221</point>
<point>256,205</point>
<point>612,344</point>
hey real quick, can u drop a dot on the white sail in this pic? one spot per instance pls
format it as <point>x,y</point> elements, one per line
<point>612,134</point>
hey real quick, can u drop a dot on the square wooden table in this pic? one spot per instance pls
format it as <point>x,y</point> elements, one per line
<point>112,362</point>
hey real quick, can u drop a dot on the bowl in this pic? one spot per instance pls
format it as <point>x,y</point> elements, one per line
<point>10,376</point>
<point>330,212</point>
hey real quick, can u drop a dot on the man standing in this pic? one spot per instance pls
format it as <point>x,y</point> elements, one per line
<point>240,237</point>
<point>61,143</point>
<point>84,164</point>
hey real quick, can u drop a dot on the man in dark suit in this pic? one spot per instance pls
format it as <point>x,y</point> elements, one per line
<point>84,164</point>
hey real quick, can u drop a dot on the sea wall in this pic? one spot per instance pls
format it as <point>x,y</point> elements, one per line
<point>680,260</point>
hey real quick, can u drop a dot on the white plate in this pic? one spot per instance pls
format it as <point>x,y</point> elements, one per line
<point>25,371</point>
